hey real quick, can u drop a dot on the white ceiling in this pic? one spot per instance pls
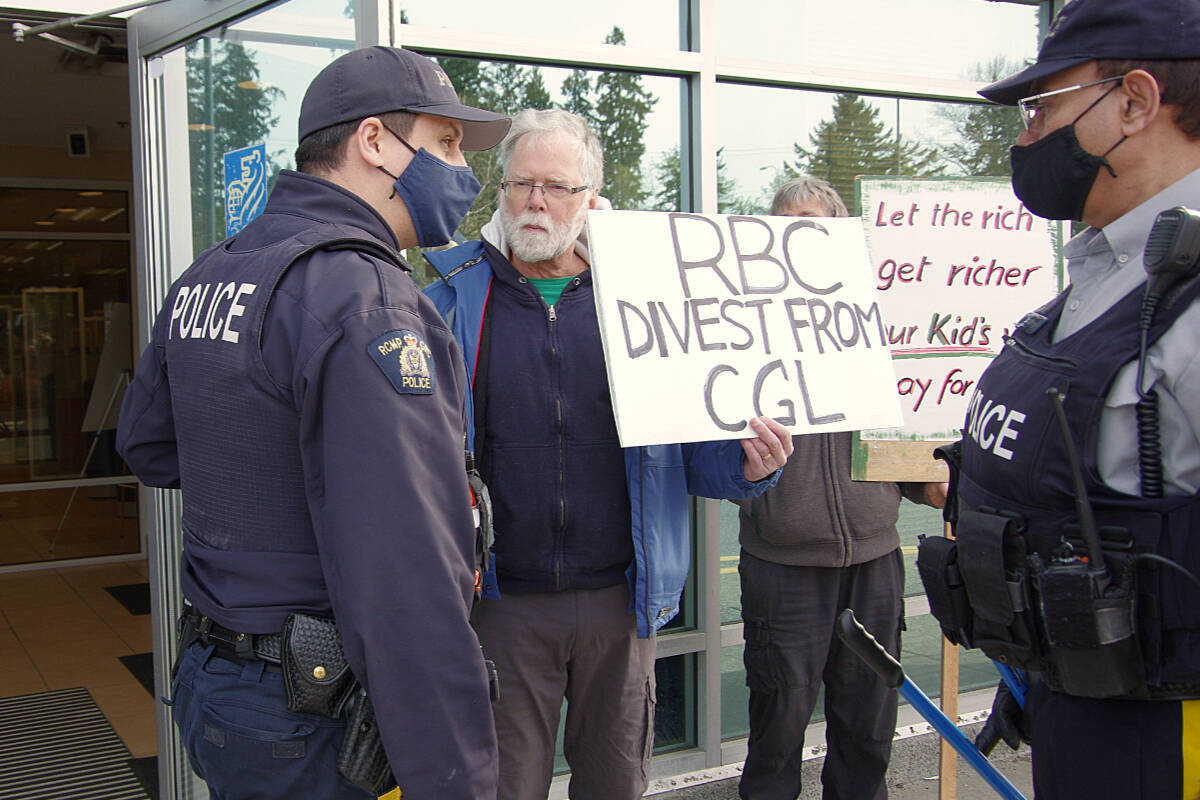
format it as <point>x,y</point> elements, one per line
<point>47,88</point>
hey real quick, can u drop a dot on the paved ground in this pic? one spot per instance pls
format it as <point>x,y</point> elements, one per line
<point>912,775</point>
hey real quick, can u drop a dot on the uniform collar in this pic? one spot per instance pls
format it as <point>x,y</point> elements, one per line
<point>1126,235</point>
<point>305,195</point>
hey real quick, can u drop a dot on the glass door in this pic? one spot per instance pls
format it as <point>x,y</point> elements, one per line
<point>211,77</point>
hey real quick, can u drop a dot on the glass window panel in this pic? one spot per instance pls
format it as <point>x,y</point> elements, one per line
<point>636,117</point>
<point>839,136</point>
<point>675,712</point>
<point>245,91</point>
<point>943,39</point>
<point>735,697</point>
<point>64,344</point>
<point>632,22</point>
<point>731,587</point>
<point>59,211</point>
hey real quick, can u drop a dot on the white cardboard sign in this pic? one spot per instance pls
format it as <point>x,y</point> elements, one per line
<point>708,320</point>
<point>957,264</point>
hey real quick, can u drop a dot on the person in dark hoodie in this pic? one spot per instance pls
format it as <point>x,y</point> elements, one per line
<point>308,401</point>
<point>592,541</point>
<point>815,544</point>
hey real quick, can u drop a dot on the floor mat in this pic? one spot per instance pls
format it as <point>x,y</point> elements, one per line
<point>142,667</point>
<point>134,596</point>
<point>56,745</point>
<point>146,770</point>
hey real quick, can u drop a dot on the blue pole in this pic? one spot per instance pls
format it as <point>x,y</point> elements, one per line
<point>870,651</point>
<point>1017,684</point>
<point>958,740</point>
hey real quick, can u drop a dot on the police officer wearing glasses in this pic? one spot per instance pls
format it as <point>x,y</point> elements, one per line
<point>308,401</point>
<point>1075,503</point>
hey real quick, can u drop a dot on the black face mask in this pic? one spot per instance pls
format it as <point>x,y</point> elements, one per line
<point>1053,176</point>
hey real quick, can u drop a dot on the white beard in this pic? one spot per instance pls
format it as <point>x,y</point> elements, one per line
<point>537,246</point>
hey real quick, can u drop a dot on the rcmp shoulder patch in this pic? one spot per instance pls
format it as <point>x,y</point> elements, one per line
<point>405,359</point>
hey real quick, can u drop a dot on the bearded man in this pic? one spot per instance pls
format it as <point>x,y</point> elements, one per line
<point>592,543</point>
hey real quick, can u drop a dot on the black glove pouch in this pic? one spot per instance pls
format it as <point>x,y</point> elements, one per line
<point>992,560</point>
<point>937,564</point>
<point>315,672</point>
<point>362,759</point>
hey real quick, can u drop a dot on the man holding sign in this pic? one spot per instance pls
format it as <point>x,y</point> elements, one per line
<point>585,531</point>
<point>814,545</point>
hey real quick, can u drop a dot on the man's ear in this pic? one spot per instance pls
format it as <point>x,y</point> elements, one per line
<point>366,141</point>
<point>1141,101</point>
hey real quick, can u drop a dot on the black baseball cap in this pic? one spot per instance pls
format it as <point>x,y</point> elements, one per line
<point>376,80</point>
<point>1087,30</point>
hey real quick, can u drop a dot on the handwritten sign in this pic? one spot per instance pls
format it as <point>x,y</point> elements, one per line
<point>709,320</point>
<point>957,264</point>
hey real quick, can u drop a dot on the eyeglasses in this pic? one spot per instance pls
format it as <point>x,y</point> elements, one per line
<point>521,190</point>
<point>1031,107</point>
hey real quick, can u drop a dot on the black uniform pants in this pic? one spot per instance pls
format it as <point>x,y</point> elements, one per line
<point>1085,749</point>
<point>791,648</point>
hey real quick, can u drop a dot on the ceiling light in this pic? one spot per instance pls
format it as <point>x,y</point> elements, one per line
<point>43,222</point>
<point>201,126</point>
<point>106,217</point>
<point>91,193</point>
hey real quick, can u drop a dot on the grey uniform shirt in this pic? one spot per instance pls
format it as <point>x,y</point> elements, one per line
<point>1104,265</point>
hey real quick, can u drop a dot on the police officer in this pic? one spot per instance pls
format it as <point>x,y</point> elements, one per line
<point>1112,138</point>
<point>308,401</point>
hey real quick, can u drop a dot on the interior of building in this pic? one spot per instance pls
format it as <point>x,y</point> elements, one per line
<point>74,595</point>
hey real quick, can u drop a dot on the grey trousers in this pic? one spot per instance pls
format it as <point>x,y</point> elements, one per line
<point>580,645</point>
<point>791,648</point>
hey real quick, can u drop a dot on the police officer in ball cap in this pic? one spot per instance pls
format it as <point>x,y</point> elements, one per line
<point>308,401</point>
<point>1105,612</point>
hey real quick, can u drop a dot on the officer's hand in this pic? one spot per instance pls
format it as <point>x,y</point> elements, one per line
<point>1008,721</point>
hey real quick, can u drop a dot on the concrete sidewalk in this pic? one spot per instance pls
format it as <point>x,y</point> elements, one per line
<point>913,775</point>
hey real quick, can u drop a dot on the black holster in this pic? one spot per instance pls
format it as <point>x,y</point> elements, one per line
<point>362,759</point>
<point>315,670</point>
<point>319,681</point>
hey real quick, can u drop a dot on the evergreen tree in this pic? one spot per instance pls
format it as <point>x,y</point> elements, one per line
<point>534,93</point>
<point>855,142</point>
<point>982,133</point>
<point>577,88</point>
<point>222,116</point>
<point>668,194</point>
<point>622,105</point>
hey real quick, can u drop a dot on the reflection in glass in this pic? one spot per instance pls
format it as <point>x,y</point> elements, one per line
<point>650,25</point>
<point>65,352</point>
<point>840,136</point>
<point>244,88</point>
<point>941,39</point>
<point>675,714</point>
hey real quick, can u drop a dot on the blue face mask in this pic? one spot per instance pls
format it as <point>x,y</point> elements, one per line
<point>438,195</point>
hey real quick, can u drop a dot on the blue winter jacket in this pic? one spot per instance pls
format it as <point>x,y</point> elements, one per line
<point>660,478</point>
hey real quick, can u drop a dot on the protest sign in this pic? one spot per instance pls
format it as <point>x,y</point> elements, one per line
<point>708,320</point>
<point>957,263</point>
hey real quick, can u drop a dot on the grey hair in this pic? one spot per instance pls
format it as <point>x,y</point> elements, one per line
<point>807,187</point>
<point>542,123</point>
